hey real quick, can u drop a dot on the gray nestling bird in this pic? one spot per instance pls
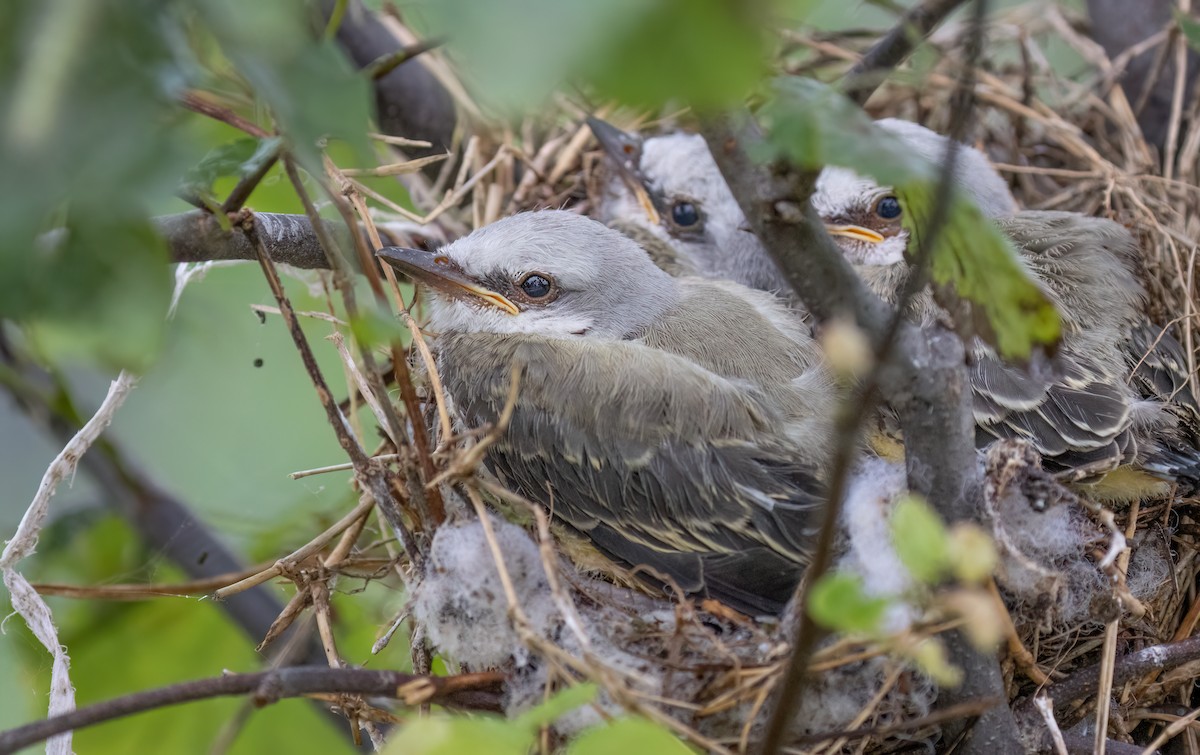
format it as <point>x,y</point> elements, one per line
<point>678,424</point>
<point>668,187</point>
<point>1084,414</point>
<point>1083,417</point>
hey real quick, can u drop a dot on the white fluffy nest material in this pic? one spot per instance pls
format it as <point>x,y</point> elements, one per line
<point>718,670</point>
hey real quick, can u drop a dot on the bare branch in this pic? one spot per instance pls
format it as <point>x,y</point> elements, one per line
<point>1084,683</point>
<point>198,237</point>
<point>467,691</point>
<point>891,50</point>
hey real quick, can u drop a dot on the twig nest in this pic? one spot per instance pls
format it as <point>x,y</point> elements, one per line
<point>1045,539</point>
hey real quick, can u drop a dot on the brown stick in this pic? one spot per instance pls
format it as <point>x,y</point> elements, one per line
<point>372,477</point>
<point>467,691</point>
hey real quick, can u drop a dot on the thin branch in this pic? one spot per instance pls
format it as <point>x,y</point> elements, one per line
<point>198,103</point>
<point>922,375</point>
<point>409,99</point>
<point>478,691</point>
<point>1084,683</point>
<point>869,72</point>
<point>289,239</point>
<point>371,476</point>
<point>245,187</point>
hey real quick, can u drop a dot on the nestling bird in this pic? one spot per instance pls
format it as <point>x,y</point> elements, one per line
<point>679,424</point>
<point>1083,416</point>
<point>670,188</point>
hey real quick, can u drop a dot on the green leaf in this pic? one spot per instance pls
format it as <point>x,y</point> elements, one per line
<point>91,142</point>
<point>705,53</point>
<point>839,602</point>
<point>563,702</point>
<point>628,736</point>
<point>977,276</point>
<point>238,158</point>
<point>1190,27</point>
<point>972,553</point>
<point>103,291</point>
<point>371,329</point>
<point>921,540</point>
<point>456,735</point>
<point>931,657</point>
<point>812,125</point>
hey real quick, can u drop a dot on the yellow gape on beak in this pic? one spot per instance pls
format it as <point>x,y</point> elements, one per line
<point>644,199</point>
<point>625,150</point>
<point>856,232</point>
<point>442,273</point>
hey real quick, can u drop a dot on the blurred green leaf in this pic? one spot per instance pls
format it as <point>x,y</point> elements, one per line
<point>838,601</point>
<point>238,159</point>
<point>812,125</point>
<point>563,701</point>
<point>1190,27</point>
<point>104,291</point>
<point>373,328</point>
<point>972,553</point>
<point>706,53</point>
<point>307,83</point>
<point>977,276</point>
<point>628,736</point>
<point>702,52</point>
<point>457,734</point>
<point>89,142</point>
<point>921,540</point>
<point>931,657</point>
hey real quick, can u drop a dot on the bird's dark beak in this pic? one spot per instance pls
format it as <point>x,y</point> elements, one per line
<point>625,150</point>
<point>856,232</point>
<point>444,274</point>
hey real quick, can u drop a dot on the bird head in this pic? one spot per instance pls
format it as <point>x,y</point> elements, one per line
<point>670,186</point>
<point>550,272</point>
<point>863,217</point>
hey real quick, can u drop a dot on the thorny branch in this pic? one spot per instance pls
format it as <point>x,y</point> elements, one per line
<point>480,691</point>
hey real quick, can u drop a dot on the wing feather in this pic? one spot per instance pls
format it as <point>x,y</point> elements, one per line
<point>660,462</point>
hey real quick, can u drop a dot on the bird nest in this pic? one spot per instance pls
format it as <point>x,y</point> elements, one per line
<point>499,595</point>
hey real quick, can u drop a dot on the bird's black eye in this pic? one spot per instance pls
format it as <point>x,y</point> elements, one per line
<point>888,208</point>
<point>685,214</point>
<point>536,286</point>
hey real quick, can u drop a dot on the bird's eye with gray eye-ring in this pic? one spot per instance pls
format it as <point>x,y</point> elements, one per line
<point>685,214</point>
<point>888,208</point>
<point>536,286</point>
